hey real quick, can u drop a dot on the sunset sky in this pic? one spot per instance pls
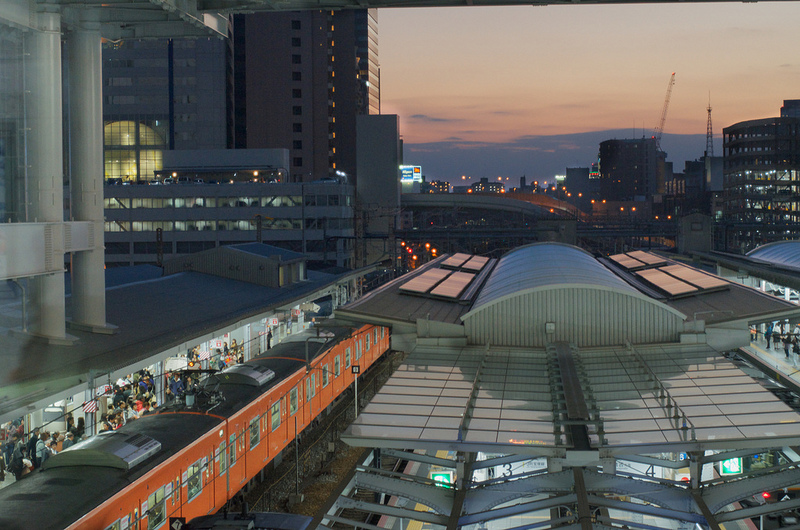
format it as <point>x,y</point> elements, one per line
<point>531,90</point>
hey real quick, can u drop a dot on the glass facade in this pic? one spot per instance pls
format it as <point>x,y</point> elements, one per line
<point>12,126</point>
<point>761,184</point>
<point>133,149</point>
<point>312,218</point>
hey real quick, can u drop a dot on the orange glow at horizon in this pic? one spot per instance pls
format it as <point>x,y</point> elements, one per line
<point>611,73</point>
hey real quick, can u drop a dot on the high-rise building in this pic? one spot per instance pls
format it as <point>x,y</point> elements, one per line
<point>301,78</point>
<point>761,182</point>
<point>161,94</point>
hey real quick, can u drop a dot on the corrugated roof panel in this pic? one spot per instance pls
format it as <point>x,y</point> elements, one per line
<point>546,265</point>
<point>786,253</point>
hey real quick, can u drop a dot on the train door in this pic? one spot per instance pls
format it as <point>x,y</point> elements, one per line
<point>235,465</point>
<point>221,481</point>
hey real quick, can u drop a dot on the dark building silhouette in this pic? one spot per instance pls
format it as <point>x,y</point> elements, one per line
<point>631,170</point>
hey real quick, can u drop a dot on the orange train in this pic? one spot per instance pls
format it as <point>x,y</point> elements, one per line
<point>191,457</point>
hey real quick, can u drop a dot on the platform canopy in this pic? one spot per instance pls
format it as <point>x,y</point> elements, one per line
<point>180,18</point>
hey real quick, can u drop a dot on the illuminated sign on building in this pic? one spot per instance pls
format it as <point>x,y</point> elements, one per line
<point>411,173</point>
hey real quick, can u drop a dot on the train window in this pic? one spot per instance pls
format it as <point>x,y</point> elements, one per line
<point>313,385</point>
<point>367,349</point>
<point>376,336</point>
<point>194,482</point>
<point>115,526</point>
<point>223,458</point>
<point>255,433</point>
<point>156,513</point>
<point>232,450</point>
<point>293,400</point>
<point>275,415</point>
<point>358,349</point>
<point>325,376</point>
<point>383,331</point>
<point>347,358</point>
<point>337,366</point>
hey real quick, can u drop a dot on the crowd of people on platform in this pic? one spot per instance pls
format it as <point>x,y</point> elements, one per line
<point>23,454</point>
<point>131,398</point>
<point>779,335</point>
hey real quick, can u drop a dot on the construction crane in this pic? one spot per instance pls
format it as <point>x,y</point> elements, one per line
<point>660,129</point>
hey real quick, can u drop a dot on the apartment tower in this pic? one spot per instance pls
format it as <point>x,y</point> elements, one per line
<point>301,78</point>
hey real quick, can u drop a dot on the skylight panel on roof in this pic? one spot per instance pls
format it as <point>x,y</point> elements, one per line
<point>476,263</point>
<point>646,257</point>
<point>669,284</point>
<point>454,285</point>
<point>695,277</point>
<point>424,282</point>
<point>626,261</point>
<point>456,260</point>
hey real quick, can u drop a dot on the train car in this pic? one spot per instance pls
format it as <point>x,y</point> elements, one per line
<point>190,458</point>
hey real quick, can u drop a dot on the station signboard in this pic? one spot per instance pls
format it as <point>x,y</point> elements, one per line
<point>442,478</point>
<point>732,466</point>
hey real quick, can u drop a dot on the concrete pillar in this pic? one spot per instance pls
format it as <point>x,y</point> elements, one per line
<point>45,169</point>
<point>86,178</point>
<point>86,169</point>
<point>555,464</point>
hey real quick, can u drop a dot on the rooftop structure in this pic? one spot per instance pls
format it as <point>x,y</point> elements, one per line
<point>595,368</point>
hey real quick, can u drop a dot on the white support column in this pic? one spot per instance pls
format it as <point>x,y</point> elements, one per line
<point>45,163</point>
<point>86,165</point>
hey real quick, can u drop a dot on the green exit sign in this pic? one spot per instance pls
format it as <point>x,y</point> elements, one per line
<point>442,478</point>
<point>732,466</point>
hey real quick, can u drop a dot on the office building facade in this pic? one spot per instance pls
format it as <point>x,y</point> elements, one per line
<point>761,183</point>
<point>163,94</point>
<point>301,80</point>
<point>149,224</point>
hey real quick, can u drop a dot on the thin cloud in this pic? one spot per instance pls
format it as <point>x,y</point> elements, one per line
<point>433,119</point>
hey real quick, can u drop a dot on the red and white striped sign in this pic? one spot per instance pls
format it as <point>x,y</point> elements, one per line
<point>90,406</point>
<point>204,354</point>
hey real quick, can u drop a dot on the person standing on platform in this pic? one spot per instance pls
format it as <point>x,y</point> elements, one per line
<point>786,338</point>
<point>768,333</point>
<point>269,338</point>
